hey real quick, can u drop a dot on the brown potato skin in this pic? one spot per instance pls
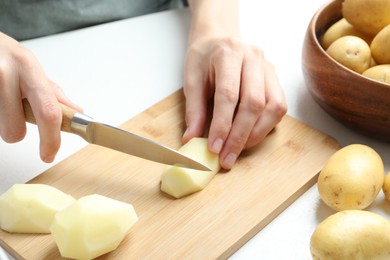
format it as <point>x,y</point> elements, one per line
<point>339,29</point>
<point>351,234</point>
<point>379,72</point>
<point>380,46</point>
<point>386,186</point>
<point>352,52</point>
<point>352,178</point>
<point>368,16</point>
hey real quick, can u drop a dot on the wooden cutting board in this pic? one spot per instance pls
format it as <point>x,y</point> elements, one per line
<point>211,224</point>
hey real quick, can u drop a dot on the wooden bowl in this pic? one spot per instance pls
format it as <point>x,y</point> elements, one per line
<point>358,102</point>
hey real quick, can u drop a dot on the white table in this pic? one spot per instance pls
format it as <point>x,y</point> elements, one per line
<point>117,70</point>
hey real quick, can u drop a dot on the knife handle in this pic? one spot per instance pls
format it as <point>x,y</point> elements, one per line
<point>67,115</point>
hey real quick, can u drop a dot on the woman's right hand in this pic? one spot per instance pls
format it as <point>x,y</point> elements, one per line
<point>21,76</point>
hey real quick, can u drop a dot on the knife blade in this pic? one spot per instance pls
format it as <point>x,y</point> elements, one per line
<point>117,139</point>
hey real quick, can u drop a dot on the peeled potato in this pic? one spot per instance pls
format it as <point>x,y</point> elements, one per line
<point>92,226</point>
<point>339,29</point>
<point>368,16</point>
<point>379,73</point>
<point>30,208</point>
<point>351,234</point>
<point>179,182</point>
<point>351,178</point>
<point>380,46</point>
<point>352,52</point>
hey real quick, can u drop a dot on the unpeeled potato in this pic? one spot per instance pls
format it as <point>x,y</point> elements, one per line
<point>339,29</point>
<point>380,46</point>
<point>379,72</point>
<point>368,16</point>
<point>352,52</point>
<point>386,186</point>
<point>351,178</point>
<point>351,234</point>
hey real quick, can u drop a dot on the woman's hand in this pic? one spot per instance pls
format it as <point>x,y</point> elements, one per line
<point>248,99</point>
<point>21,76</point>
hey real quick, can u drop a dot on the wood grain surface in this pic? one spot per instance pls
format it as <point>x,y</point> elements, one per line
<point>357,101</point>
<point>211,224</point>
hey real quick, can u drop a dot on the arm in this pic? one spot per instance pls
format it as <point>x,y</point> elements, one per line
<point>21,76</point>
<point>248,100</point>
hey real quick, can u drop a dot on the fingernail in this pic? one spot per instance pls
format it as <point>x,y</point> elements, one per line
<point>48,159</point>
<point>229,160</point>
<point>217,145</point>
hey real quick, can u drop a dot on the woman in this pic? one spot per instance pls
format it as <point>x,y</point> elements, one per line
<point>248,100</point>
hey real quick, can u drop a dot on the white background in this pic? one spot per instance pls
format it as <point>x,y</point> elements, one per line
<point>115,71</point>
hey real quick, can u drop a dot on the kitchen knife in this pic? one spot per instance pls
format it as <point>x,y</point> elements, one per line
<point>114,138</point>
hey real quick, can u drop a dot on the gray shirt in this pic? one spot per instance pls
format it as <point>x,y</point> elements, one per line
<point>26,19</point>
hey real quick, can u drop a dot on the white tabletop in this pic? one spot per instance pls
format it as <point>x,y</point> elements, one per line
<point>116,70</point>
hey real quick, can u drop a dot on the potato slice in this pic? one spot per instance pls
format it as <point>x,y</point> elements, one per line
<point>30,208</point>
<point>92,226</point>
<point>179,182</point>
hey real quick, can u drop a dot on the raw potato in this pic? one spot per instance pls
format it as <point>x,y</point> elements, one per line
<point>339,29</point>
<point>351,178</point>
<point>30,208</point>
<point>386,186</point>
<point>372,63</point>
<point>352,52</point>
<point>368,16</point>
<point>351,234</point>
<point>380,73</point>
<point>179,182</point>
<point>380,46</point>
<point>92,226</point>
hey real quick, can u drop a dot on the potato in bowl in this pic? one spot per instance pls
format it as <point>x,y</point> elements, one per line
<point>353,99</point>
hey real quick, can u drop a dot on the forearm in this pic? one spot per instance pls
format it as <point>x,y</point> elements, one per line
<point>216,17</point>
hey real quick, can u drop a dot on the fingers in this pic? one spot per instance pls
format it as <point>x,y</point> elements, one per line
<point>63,99</point>
<point>21,76</point>
<point>226,62</point>
<point>250,107</point>
<point>247,105</point>
<point>12,123</point>
<point>41,94</point>
<point>195,91</point>
<point>48,116</point>
<point>276,108</point>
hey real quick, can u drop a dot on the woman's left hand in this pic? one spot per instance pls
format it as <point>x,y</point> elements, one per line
<point>248,101</point>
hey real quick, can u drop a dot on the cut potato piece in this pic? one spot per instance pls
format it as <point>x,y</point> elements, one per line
<point>92,226</point>
<point>179,182</point>
<point>30,208</point>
